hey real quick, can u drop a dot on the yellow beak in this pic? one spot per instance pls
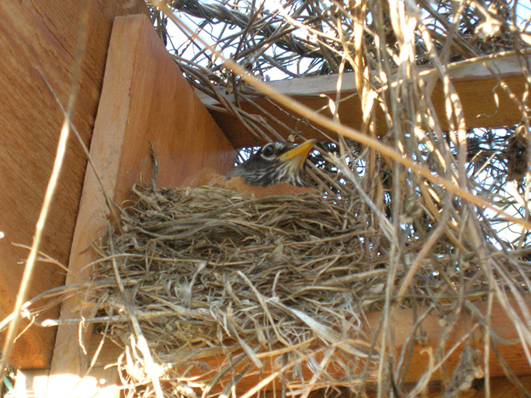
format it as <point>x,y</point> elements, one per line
<point>299,153</point>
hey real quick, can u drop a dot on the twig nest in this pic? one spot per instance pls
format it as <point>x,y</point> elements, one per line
<point>212,273</point>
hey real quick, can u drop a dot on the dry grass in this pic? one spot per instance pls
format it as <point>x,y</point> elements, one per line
<point>226,288</point>
<point>233,273</point>
<point>229,290</point>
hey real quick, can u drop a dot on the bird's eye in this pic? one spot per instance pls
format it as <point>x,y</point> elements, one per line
<point>268,151</point>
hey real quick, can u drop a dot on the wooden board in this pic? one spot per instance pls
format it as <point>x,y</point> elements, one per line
<point>42,35</point>
<point>499,387</point>
<point>474,84</point>
<point>145,99</point>
<point>432,330</point>
<point>502,387</point>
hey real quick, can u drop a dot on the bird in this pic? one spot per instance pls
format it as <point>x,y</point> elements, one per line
<point>277,168</point>
<point>274,163</point>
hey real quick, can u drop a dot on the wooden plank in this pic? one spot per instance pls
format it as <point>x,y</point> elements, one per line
<point>432,328</point>
<point>500,387</point>
<point>503,387</point>
<point>145,99</point>
<point>474,84</point>
<point>404,319</point>
<point>42,35</point>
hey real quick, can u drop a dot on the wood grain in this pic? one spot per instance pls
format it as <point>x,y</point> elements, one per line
<point>145,99</point>
<point>475,85</point>
<point>42,35</point>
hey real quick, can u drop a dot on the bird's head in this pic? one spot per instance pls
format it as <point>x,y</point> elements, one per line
<point>275,163</point>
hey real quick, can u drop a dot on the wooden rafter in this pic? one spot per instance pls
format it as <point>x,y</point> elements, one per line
<point>485,102</point>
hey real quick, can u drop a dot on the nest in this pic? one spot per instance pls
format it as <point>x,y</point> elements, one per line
<point>260,281</point>
<point>228,290</point>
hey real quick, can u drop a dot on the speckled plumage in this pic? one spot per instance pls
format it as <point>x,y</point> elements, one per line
<point>274,163</point>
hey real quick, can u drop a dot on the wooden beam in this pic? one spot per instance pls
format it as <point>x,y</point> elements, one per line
<point>475,85</point>
<point>503,387</point>
<point>499,387</point>
<point>145,99</point>
<point>40,37</point>
<point>432,331</point>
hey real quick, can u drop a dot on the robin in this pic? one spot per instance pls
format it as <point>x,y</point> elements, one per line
<point>276,169</point>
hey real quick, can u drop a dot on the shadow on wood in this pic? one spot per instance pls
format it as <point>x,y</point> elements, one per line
<point>41,37</point>
<point>145,99</point>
